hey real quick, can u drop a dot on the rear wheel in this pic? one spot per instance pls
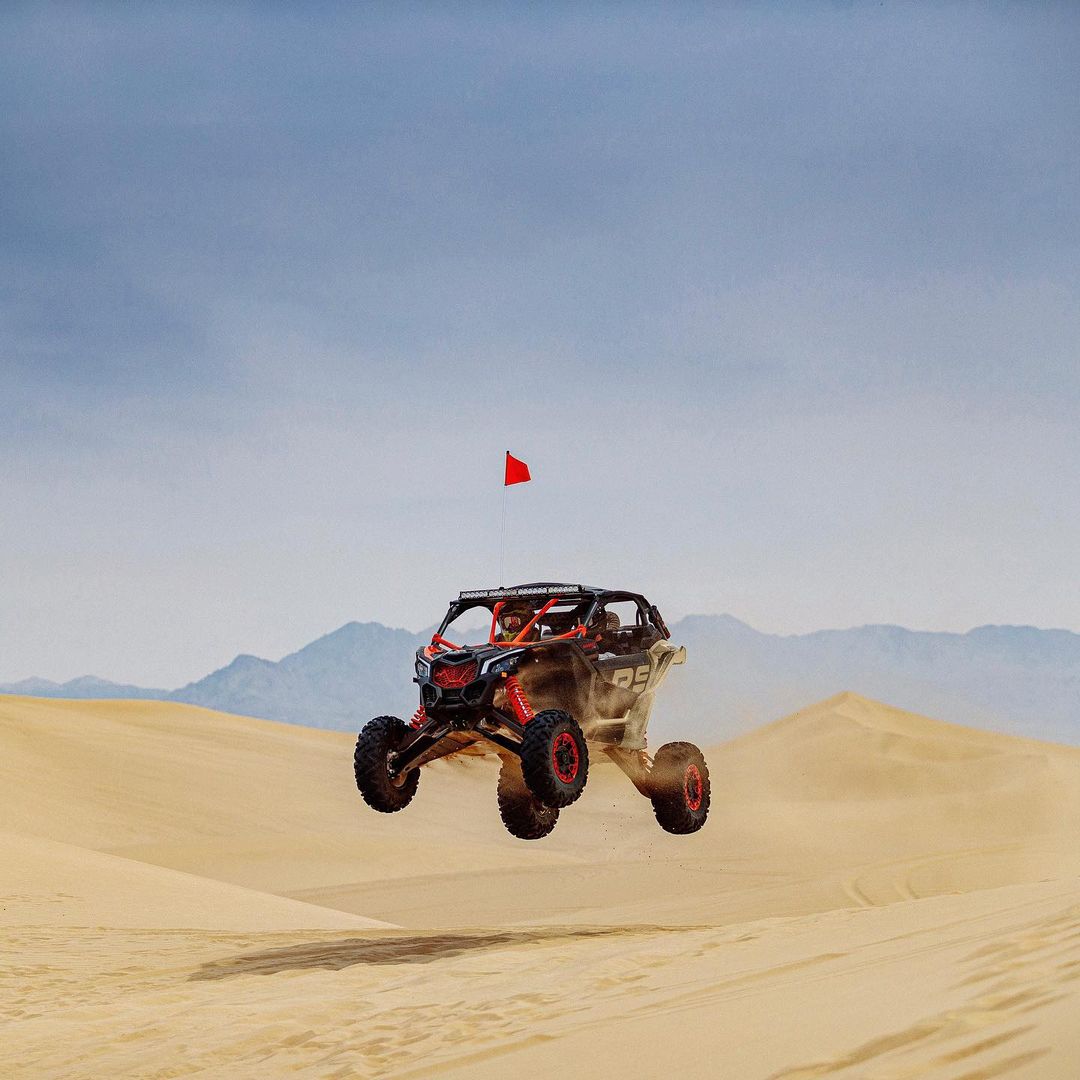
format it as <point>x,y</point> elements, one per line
<point>523,814</point>
<point>554,757</point>
<point>375,747</point>
<point>681,788</point>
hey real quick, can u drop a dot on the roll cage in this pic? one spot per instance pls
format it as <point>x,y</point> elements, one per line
<point>583,601</point>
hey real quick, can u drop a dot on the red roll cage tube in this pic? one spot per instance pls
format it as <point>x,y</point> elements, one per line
<point>438,641</point>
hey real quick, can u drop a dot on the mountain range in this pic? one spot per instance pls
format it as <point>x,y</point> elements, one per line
<point>87,687</point>
<point>1017,679</point>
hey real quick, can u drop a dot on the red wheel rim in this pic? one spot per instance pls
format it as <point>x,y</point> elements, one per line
<point>693,789</point>
<point>565,758</point>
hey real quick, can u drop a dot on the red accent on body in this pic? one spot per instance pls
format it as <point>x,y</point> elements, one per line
<point>517,472</point>
<point>495,621</point>
<point>515,694</point>
<point>454,676</point>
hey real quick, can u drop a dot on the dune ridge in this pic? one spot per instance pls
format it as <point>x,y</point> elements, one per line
<point>191,891</point>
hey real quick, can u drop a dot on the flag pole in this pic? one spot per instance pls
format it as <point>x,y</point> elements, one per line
<point>502,528</point>
<point>514,472</point>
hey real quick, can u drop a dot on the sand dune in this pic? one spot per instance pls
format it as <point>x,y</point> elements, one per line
<point>45,881</point>
<point>877,894</point>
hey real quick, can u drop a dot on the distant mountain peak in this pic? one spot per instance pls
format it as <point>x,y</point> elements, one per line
<point>249,660</point>
<point>351,632</point>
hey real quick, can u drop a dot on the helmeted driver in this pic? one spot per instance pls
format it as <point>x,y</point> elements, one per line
<point>513,617</point>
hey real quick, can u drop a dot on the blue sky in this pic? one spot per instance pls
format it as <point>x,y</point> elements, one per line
<point>780,302</point>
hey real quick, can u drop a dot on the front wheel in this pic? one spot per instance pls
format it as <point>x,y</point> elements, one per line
<point>554,757</point>
<point>375,747</point>
<point>523,814</point>
<point>681,788</point>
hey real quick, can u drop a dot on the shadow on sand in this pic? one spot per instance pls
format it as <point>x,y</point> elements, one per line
<point>417,949</point>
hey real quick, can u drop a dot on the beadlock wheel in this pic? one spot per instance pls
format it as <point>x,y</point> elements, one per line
<point>681,791</point>
<point>554,758</point>
<point>376,746</point>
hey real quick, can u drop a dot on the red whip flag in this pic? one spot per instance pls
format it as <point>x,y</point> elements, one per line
<point>517,472</point>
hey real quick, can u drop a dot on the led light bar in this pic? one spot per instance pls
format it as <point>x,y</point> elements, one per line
<point>532,590</point>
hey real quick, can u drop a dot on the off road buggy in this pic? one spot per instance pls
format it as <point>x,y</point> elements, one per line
<point>565,669</point>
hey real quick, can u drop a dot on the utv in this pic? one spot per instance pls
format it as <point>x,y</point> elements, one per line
<point>564,669</point>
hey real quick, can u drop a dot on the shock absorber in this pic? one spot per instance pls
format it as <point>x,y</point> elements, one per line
<point>419,718</point>
<point>515,693</point>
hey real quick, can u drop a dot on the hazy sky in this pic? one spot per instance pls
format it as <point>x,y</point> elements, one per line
<point>781,303</point>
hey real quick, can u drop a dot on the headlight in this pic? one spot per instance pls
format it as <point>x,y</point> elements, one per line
<point>423,668</point>
<point>503,663</point>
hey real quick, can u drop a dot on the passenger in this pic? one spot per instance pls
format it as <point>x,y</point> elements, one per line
<point>599,631</point>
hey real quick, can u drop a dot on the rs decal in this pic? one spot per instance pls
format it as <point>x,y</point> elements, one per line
<point>631,678</point>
